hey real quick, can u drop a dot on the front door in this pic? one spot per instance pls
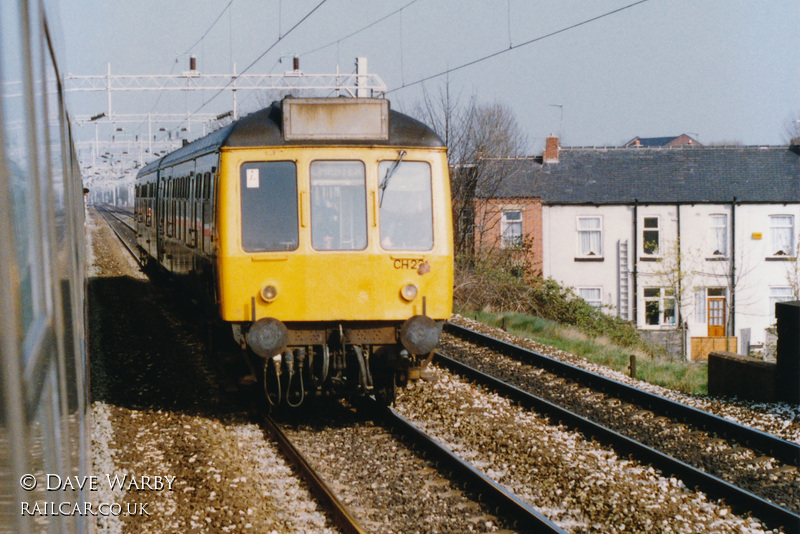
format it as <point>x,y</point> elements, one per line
<point>716,317</point>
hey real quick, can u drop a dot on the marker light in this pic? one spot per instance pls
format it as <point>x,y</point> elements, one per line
<point>269,293</point>
<point>409,292</point>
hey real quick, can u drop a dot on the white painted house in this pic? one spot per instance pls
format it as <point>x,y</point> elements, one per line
<point>694,244</point>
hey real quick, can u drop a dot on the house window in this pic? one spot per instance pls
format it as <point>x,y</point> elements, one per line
<point>651,236</point>
<point>590,236</point>
<point>659,306</point>
<point>779,294</point>
<point>511,229</point>
<point>719,234</point>
<point>782,232</point>
<point>700,305</point>
<point>592,295</point>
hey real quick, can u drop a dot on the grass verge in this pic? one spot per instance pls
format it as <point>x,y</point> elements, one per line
<point>686,377</point>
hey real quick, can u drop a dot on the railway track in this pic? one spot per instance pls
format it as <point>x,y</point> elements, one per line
<point>121,223</point>
<point>510,508</point>
<point>758,498</point>
<point>393,472</point>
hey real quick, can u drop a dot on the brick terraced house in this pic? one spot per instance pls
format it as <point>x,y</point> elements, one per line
<point>695,244</point>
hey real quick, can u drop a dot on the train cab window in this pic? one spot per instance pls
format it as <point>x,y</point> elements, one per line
<point>269,206</point>
<point>338,205</point>
<point>406,212</point>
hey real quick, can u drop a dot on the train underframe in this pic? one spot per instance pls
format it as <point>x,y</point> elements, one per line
<point>299,361</point>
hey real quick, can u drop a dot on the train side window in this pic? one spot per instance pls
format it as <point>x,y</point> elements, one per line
<point>338,205</point>
<point>269,206</point>
<point>406,209</point>
<point>19,185</point>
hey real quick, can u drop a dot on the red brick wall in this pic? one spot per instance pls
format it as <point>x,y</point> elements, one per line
<point>487,230</point>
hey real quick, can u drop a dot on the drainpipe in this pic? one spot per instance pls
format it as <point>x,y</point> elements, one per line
<point>635,264</point>
<point>732,319</point>
<point>679,295</point>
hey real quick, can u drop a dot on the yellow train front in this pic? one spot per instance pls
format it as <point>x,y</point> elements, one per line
<point>324,228</point>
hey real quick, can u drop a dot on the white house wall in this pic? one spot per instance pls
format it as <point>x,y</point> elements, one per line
<point>562,260</point>
<point>758,273</point>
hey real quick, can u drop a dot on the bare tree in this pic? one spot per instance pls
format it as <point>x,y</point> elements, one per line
<point>483,141</point>
<point>791,129</point>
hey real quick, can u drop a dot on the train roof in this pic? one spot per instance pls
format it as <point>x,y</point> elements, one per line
<point>265,128</point>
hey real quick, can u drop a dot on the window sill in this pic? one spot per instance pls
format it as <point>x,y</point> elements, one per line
<point>717,258</point>
<point>651,258</point>
<point>780,258</point>
<point>589,258</point>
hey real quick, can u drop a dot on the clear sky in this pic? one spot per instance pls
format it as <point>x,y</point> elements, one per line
<point>720,70</point>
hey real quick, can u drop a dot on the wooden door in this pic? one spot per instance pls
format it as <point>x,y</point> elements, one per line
<point>716,317</point>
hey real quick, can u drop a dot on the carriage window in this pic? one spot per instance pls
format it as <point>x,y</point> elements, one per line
<point>406,212</point>
<point>338,205</point>
<point>269,206</point>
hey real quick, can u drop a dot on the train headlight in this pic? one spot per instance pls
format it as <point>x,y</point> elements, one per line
<point>269,293</point>
<point>409,292</point>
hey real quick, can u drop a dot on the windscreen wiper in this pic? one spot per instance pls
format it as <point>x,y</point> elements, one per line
<point>389,173</point>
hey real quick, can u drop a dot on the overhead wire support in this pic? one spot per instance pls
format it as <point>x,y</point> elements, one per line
<point>197,81</point>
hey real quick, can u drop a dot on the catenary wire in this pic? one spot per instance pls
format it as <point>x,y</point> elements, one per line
<point>273,45</point>
<point>510,48</point>
<point>371,24</point>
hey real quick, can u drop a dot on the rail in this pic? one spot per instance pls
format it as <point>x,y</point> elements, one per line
<point>508,504</point>
<point>341,515</point>
<point>737,498</point>
<point>781,449</point>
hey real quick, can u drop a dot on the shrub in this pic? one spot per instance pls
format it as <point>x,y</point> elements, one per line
<point>491,283</point>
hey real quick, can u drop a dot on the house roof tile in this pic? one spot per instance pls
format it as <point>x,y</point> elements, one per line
<point>622,175</point>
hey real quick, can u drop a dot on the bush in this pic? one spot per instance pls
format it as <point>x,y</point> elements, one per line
<point>493,283</point>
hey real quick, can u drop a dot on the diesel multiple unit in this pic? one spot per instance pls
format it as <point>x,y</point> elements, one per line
<point>318,232</point>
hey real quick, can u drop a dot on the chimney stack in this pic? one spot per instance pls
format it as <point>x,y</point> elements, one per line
<point>192,63</point>
<point>551,149</point>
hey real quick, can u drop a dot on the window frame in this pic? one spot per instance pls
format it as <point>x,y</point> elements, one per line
<point>242,184</point>
<point>774,299</point>
<point>311,186</point>
<point>656,252</point>
<point>773,228</point>
<point>513,241</point>
<point>587,254</point>
<point>386,220</point>
<point>594,302</point>
<point>665,295</point>
<point>714,238</point>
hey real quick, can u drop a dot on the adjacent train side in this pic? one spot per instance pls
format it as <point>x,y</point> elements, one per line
<point>324,244</point>
<point>43,378</point>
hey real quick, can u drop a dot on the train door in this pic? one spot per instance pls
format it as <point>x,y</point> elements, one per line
<point>208,212</point>
<point>195,196</point>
